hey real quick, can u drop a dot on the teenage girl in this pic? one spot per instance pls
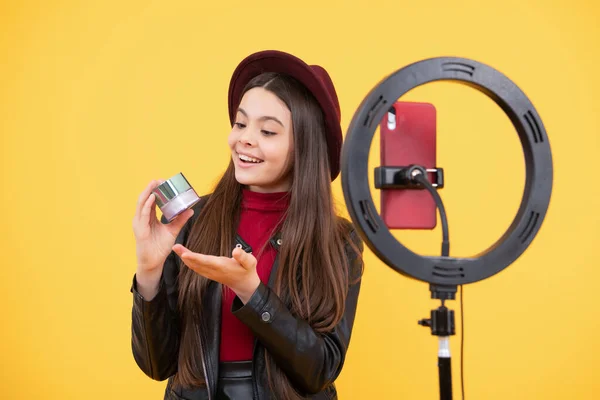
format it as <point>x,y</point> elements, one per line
<point>252,293</point>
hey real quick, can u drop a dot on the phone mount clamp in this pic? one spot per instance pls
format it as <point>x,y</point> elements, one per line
<point>445,273</point>
<point>402,177</point>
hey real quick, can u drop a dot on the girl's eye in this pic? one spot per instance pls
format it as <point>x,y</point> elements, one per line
<point>240,125</point>
<point>268,133</point>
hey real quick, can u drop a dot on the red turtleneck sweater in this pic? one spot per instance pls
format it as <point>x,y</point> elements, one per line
<point>260,214</point>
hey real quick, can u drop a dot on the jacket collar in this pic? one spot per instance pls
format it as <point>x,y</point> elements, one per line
<point>275,242</point>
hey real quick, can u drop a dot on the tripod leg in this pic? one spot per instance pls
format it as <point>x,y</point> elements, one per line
<point>445,368</point>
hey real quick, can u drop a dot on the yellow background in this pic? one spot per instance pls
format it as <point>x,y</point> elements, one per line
<point>99,97</point>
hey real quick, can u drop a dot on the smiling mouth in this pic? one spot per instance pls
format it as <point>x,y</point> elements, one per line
<point>249,160</point>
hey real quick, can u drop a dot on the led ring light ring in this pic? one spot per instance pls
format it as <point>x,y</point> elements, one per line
<point>538,168</point>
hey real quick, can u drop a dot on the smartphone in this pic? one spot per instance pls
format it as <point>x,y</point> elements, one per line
<point>408,136</point>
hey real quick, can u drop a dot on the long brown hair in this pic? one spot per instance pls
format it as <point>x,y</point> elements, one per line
<point>313,274</point>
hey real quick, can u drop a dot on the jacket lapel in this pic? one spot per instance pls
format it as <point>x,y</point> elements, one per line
<point>211,333</point>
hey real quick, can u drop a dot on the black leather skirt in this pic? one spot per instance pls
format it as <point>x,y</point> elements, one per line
<point>235,381</point>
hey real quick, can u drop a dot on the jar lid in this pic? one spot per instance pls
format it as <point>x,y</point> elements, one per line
<point>171,188</point>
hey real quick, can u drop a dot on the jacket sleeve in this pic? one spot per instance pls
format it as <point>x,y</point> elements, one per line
<point>311,360</point>
<point>155,323</point>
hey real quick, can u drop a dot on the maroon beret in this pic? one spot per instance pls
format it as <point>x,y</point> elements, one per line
<point>314,77</point>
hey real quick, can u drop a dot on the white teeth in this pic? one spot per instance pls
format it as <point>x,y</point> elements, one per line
<point>249,159</point>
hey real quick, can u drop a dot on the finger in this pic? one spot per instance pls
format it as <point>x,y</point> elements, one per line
<point>144,196</point>
<point>197,263</point>
<point>145,193</point>
<point>186,253</point>
<point>204,260</point>
<point>247,260</point>
<point>201,269</point>
<point>179,249</point>
<point>153,216</point>
<point>147,210</point>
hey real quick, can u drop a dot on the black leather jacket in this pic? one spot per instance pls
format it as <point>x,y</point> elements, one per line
<point>312,361</point>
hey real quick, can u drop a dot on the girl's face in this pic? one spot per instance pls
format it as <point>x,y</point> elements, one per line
<point>261,142</point>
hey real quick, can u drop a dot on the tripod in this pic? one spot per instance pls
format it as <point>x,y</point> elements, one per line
<point>442,326</point>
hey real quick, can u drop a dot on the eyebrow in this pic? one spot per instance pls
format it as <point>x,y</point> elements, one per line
<point>263,118</point>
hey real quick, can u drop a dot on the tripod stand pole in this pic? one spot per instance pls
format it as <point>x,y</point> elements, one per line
<point>444,368</point>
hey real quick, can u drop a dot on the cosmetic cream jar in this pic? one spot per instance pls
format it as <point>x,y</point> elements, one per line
<point>174,196</point>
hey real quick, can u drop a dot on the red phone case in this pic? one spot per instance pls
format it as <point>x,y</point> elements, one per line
<point>411,141</point>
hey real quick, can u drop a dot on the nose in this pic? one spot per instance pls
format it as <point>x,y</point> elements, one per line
<point>247,137</point>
